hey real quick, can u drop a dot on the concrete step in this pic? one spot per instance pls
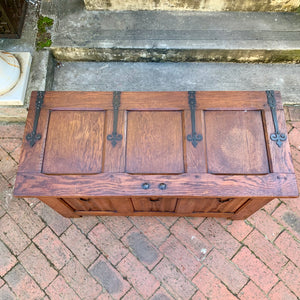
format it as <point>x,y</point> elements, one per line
<point>96,76</point>
<point>147,36</point>
<point>198,5</point>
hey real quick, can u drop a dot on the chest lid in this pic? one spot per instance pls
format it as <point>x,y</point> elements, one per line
<point>195,143</point>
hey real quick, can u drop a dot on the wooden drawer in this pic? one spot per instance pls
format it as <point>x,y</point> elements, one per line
<point>221,154</point>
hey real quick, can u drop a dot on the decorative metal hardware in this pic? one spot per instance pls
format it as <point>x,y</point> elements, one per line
<point>146,185</point>
<point>33,137</point>
<point>162,186</point>
<point>277,137</point>
<point>194,137</point>
<point>114,137</point>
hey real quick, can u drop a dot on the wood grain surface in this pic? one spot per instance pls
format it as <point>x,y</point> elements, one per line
<point>154,170</point>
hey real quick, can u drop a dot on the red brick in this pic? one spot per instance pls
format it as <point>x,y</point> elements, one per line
<point>250,265</point>
<point>118,225</point>
<point>251,292</point>
<point>290,275</point>
<point>132,295</point>
<point>83,249</point>
<point>80,280</point>
<point>32,202</point>
<point>191,238</point>
<point>105,241</point>
<point>5,186</point>
<point>23,215</point>
<point>1,283</point>
<point>197,296</point>
<point>8,166</point>
<point>296,124</point>
<point>144,282</point>
<point>12,235</point>
<point>211,286</point>
<point>239,229</point>
<point>7,260</point>
<point>161,294</point>
<point>294,113</point>
<point>37,266</point>
<point>265,224</point>
<point>59,289</point>
<point>281,292</point>
<point>289,219</point>
<point>16,154</point>
<point>53,248</point>
<point>218,237</point>
<point>109,278</point>
<point>85,224</point>
<point>173,280</point>
<point>289,247</point>
<point>293,204</point>
<point>226,271</point>
<point>167,221</point>
<point>294,138</point>
<point>288,126</point>
<point>180,256</point>
<point>9,145</point>
<point>286,113</point>
<point>22,284</point>
<point>6,293</point>
<point>296,157</point>
<point>11,130</point>
<point>195,221</point>
<point>54,220</point>
<point>2,211</point>
<point>104,296</point>
<point>266,251</point>
<point>271,206</point>
<point>152,229</point>
<point>141,247</point>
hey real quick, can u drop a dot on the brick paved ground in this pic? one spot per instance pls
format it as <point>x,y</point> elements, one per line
<point>45,256</point>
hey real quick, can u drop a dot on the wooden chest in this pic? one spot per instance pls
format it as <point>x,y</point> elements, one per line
<point>218,154</point>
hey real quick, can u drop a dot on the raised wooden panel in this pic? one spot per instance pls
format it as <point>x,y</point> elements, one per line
<point>107,204</point>
<point>154,204</point>
<point>74,142</point>
<point>154,142</point>
<point>235,142</point>
<point>204,205</point>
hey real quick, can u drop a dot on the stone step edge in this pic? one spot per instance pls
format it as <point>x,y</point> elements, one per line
<point>175,55</point>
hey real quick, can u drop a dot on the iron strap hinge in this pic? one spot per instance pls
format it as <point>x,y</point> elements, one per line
<point>33,137</point>
<point>194,137</point>
<point>115,137</point>
<point>277,137</point>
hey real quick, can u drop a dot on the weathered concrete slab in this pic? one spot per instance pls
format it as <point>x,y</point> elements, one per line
<point>177,36</point>
<point>94,76</point>
<point>200,5</point>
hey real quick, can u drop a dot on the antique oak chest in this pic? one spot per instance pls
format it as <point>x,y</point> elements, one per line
<point>218,154</point>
